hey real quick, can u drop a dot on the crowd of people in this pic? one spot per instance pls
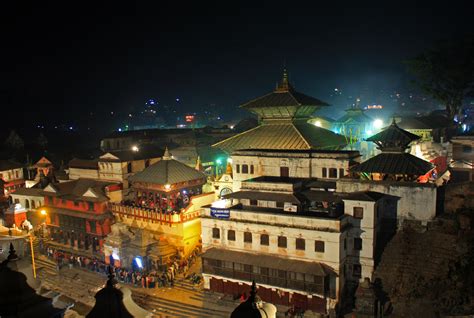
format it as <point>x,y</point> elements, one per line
<point>136,277</point>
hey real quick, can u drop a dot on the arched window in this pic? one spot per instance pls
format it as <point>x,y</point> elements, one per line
<point>27,204</point>
<point>33,205</point>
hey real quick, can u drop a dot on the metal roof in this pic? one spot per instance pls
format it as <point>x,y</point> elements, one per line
<point>268,261</point>
<point>83,164</point>
<point>168,171</point>
<point>75,190</point>
<point>264,196</point>
<point>394,163</point>
<point>364,196</point>
<point>286,98</point>
<point>285,135</point>
<point>8,165</point>
<point>393,133</point>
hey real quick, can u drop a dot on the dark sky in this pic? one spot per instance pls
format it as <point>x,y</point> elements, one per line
<point>61,62</point>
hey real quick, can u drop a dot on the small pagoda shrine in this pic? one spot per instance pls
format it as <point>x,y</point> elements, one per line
<point>393,163</point>
<point>18,296</point>
<point>162,221</point>
<point>283,116</point>
<point>355,124</point>
<point>167,185</point>
<point>112,301</point>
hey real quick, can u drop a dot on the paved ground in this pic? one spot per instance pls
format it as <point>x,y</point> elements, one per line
<point>182,300</point>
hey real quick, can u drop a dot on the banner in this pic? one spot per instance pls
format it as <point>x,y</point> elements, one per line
<point>220,213</point>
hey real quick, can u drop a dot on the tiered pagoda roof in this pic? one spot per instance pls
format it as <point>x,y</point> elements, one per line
<point>284,115</point>
<point>394,160</point>
<point>167,172</point>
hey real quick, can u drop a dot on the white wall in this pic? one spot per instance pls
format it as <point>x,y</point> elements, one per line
<point>416,201</point>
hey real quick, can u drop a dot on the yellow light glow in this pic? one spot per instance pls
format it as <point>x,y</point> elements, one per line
<point>43,212</point>
<point>318,123</point>
<point>167,186</point>
<point>135,148</point>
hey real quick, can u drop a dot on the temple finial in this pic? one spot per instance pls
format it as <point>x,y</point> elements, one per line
<point>284,85</point>
<point>253,292</point>
<point>111,282</point>
<point>12,253</point>
<point>198,164</point>
<point>228,169</point>
<point>167,155</point>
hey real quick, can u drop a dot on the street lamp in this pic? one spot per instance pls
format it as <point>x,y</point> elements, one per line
<point>43,212</point>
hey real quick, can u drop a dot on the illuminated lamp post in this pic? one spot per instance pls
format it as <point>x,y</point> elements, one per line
<point>43,225</point>
<point>218,162</point>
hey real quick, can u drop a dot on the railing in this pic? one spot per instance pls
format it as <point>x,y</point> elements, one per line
<point>264,279</point>
<point>153,215</point>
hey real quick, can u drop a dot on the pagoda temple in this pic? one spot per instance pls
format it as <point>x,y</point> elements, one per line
<point>162,218</point>
<point>393,163</point>
<point>283,115</point>
<point>355,123</point>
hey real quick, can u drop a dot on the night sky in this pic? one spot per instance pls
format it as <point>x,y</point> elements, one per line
<point>64,64</point>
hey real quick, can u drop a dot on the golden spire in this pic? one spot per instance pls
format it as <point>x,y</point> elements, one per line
<point>284,85</point>
<point>228,169</point>
<point>167,155</point>
<point>198,164</point>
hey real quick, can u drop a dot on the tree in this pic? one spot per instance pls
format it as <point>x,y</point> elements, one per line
<point>14,141</point>
<point>42,141</point>
<point>446,72</point>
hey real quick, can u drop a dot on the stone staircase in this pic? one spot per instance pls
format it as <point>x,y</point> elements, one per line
<point>413,258</point>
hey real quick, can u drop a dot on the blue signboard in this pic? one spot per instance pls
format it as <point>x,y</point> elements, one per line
<point>220,213</point>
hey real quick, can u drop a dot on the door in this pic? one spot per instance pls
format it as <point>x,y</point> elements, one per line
<point>284,172</point>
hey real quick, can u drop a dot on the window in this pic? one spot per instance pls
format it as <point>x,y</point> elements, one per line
<point>253,202</point>
<point>356,270</point>
<point>300,244</point>
<point>16,174</point>
<point>252,170</point>
<point>332,173</point>
<point>33,204</point>
<point>284,172</point>
<point>325,173</point>
<point>129,167</point>
<point>147,163</point>
<point>247,237</point>
<point>216,233</point>
<point>280,204</point>
<point>466,149</point>
<point>93,226</point>
<point>264,239</point>
<point>341,173</point>
<point>76,203</point>
<point>247,268</point>
<point>264,271</point>
<point>358,212</point>
<point>357,244</point>
<point>245,168</point>
<point>231,235</point>
<point>282,241</point>
<point>91,206</point>
<point>237,168</point>
<point>319,246</point>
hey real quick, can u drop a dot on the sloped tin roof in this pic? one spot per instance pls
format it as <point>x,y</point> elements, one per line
<point>394,163</point>
<point>284,135</point>
<point>167,172</point>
